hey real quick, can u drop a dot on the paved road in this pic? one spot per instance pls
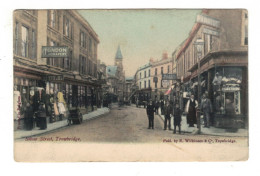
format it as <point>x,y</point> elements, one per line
<point>122,135</point>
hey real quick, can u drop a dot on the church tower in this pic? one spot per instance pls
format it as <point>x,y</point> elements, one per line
<point>119,59</point>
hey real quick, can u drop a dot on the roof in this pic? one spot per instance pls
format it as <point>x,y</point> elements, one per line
<point>144,66</point>
<point>118,53</point>
<point>111,70</point>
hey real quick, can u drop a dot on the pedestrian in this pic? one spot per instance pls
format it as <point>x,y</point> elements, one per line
<point>41,115</point>
<point>177,118</point>
<point>150,109</point>
<point>28,116</point>
<point>157,104</point>
<point>162,107</point>
<point>206,108</point>
<point>168,111</point>
<point>190,109</point>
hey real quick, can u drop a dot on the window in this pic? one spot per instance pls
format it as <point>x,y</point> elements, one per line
<point>90,46</point>
<point>155,85</point>
<point>149,73</point>
<point>140,85</point>
<point>140,75</point>
<point>66,27</point>
<point>82,39</point>
<point>246,30</point>
<point>168,69</point>
<point>53,19</point>
<point>16,37</point>
<point>145,74</point>
<point>144,84</point>
<point>67,62</point>
<point>161,70</point>
<point>149,83</point>
<point>24,47</point>
<point>33,44</point>
<point>155,71</point>
<point>161,83</point>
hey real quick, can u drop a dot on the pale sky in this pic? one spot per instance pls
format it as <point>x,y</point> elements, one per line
<point>141,34</point>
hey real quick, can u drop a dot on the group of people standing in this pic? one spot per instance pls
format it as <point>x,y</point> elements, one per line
<point>169,110</point>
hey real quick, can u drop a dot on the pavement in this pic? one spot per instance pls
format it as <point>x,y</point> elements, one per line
<point>206,131</point>
<point>59,124</point>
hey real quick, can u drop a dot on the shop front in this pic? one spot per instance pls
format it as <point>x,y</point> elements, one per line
<point>224,80</point>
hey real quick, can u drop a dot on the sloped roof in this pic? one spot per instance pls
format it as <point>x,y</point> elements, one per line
<point>130,78</point>
<point>118,53</point>
<point>111,70</point>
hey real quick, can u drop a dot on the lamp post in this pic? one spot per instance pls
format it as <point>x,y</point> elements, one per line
<point>199,43</point>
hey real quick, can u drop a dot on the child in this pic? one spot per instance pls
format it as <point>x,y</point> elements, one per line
<point>177,118</point>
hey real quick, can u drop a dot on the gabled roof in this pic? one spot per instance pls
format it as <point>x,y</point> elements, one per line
<point>111,70</point>
<point>118,53</point>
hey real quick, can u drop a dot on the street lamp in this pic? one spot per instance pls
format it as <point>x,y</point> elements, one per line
<point>199,43</point>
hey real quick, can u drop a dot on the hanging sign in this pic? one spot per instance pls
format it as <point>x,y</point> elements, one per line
<point>169,76</point>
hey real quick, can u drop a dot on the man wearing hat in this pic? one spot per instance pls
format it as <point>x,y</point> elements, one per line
<point>150,109</point>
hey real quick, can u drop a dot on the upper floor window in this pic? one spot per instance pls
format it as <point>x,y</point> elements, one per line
<point>155,71</point>
<point>53,19</point>
<point>82,39</point>
<point>168,70</point>
<point>149,72</point>
<point>161,70</point>
<point>149,83</point>
<point>145,74</point>
<point>33,44</point>
<point>67,27</point>
<point>140,75</point>
<point>25,42</point>
<point>16,37</point>
<point>244,37</point>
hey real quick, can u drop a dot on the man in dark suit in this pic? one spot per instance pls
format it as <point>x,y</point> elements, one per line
<point>150,109</point>
<point>168,111</point>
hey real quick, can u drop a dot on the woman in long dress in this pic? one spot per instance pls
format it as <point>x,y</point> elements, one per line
<point>191,106</point>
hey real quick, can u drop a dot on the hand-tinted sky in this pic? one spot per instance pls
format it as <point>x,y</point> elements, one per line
<point>141,34</point>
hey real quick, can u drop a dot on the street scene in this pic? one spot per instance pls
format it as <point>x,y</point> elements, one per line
<point>173,79</point>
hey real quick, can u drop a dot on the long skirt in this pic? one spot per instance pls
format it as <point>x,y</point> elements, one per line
<point>191,117</point>
<point>42,123</point>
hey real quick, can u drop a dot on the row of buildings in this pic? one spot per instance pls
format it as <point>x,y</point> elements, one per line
<point>216,50</point>
<point>55,51</point>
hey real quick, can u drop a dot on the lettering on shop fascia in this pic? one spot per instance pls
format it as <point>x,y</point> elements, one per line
<point>54,78</point>
<point>55,51</point>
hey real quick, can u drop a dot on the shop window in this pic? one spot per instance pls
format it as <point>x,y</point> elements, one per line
<point>227,90</point>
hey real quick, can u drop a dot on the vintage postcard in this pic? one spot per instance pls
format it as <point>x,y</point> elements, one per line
<point>130,85</point>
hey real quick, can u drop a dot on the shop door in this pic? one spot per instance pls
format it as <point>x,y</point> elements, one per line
<point>74,96</point>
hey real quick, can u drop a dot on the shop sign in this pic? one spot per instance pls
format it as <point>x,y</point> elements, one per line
<point>169,76</point>
<point>207,20</point>
<point>55,51</point>
<point>165,83</point>
<point>210,32</point>
<point>54,78</point>
<point>230,89</point>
